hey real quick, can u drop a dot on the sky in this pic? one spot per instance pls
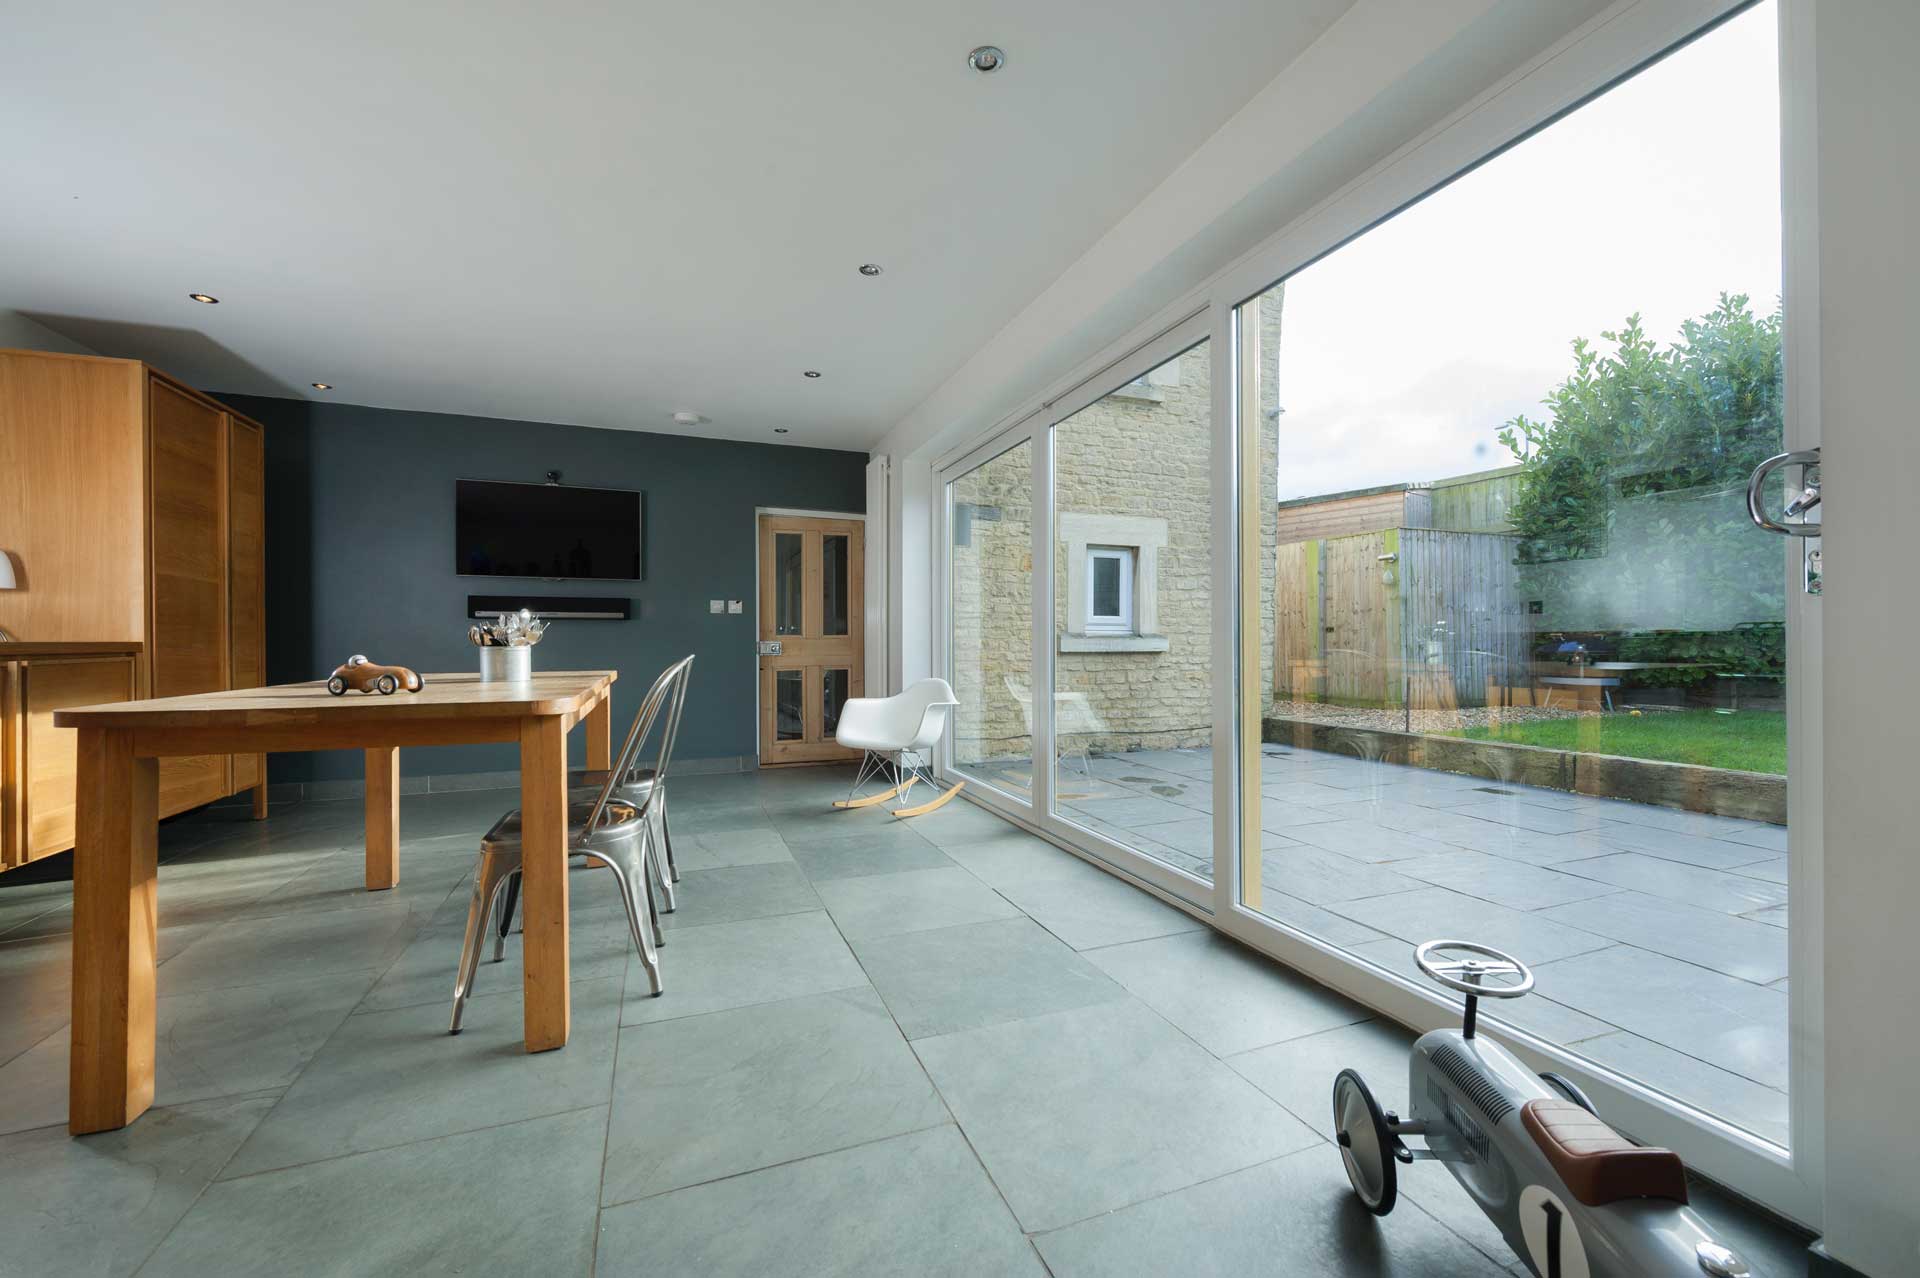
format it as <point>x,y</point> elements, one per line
<point>1402,353</point>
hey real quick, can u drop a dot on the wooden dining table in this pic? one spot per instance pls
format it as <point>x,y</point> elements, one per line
<point>115,923</point>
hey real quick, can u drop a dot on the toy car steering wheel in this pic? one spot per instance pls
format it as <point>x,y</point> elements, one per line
<point>1465,975</point>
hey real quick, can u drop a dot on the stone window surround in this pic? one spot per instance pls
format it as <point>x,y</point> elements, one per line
<point>1145,537</point>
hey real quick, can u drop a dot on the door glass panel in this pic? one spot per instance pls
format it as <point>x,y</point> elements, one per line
<point>833,694</point>
<point>789,705</point>
<point>789,577</point>
<point>833,583</point>
<point>991,611</point>
<point>1529,662</point>
<point>1133,615</point>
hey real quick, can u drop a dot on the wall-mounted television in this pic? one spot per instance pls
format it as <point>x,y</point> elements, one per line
<point>546,530</point>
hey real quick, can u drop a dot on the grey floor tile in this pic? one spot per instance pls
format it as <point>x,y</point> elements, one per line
<point>865,854</point>
<point>1772,838</point>
<point>1738,1026</point>
<point>1436,912</point>
<point>1715,854</point>
<point>955,978</point>
<point>445,1206</point>
<point>255,951</point>
<point>1761,1110</point>
<point>1513,884</point>
<point>916,1204</point>
<point>960,822</point>
<point>100,1204</point>
<point>36,991</point>
<point>1088,913</point>
<point>1719,942</point>
<point>389,1078</point>
<point>1310,794</point>
<point>703,1097</point>
<point>1017,857</point>
<point>1773,869</point>
<point>710,969</point>
<point>826,826</point>
<point>728,847</point>
<point>1294,1215</point>
<point>1081,1112</point>
<point>1129,812</point>
<point>1728,891</point>
<point>1528,816</point>
<point>1222,995</point>
<point>912,901</point>
<point>739,892</point>
<point>1772,916</point>
<point>1365,841</point>
<point>212,1043</point>
<point>599,944</point>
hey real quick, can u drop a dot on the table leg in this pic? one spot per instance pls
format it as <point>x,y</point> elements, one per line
<point>383,818</point>
<point>600,735</point>
<point>543,882</point>
<point>110,1067</point>
<point>260,791</point>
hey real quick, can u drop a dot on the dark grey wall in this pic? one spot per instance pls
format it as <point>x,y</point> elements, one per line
<point>360,557</point>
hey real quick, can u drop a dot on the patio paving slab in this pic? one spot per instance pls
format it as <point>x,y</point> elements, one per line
<point>1759,1109</point>
<point>1087,914</point>
<point>1727,891</point>
<point>1365,841</point>
<point>1336,929</point>
<point>1537,1013</point>
<point>1319,877</point>
<point>1510,883</point>
<point>1712,854</point>
<point>1719,942</point>
<point>1433,912</point>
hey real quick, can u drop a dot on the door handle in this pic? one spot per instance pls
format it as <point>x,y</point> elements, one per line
<point>1809,497</point>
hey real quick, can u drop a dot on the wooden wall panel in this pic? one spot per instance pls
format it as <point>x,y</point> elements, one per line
<point>246,571</point>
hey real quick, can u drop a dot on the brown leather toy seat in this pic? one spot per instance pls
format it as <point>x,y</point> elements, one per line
<point>1598,1164</point>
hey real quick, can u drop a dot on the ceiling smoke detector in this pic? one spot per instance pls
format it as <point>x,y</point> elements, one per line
<point>987,59</point>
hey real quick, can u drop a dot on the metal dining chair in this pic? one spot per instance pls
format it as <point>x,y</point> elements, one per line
<point>604,829</point>
<point>646,788</point>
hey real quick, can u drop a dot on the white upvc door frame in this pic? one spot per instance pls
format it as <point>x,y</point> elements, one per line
<point>1608,49</point>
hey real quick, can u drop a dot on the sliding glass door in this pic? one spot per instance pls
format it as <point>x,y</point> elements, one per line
<point>990,619</point>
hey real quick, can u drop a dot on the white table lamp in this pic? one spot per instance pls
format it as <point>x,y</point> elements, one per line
<point>7,582</point>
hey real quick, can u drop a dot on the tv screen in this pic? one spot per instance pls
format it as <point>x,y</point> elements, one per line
<point>546,530</point>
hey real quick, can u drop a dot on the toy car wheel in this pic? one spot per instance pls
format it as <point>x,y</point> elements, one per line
<point>1366,1146</point>
<point>337,686</point>
<point>387,685</point>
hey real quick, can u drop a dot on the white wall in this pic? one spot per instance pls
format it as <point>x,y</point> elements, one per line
<point>1867,125</point>
<point>17,332</point>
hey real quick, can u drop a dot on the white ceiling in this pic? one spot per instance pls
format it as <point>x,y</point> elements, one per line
<point>590,213</point>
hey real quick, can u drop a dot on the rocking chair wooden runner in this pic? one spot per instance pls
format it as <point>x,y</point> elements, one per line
<point>895,736</point>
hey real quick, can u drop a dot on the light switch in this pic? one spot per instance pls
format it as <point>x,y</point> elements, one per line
<point>735,607</point>
<point>716,606</point>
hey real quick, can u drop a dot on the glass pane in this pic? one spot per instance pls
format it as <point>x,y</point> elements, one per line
<point>1106,586</point>
<point>788,581</point>
<point>1133,615</point>
<point>991,579</point>
<point>833,700</point>
<point>789,705</point>
<point>833,583</point>
<point>1530,661</point>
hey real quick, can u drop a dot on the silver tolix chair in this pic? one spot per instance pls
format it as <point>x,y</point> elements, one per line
<point>605,829</point>
<point>646,788</point>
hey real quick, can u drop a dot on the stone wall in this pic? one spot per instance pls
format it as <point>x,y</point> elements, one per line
<point>1134,471</point>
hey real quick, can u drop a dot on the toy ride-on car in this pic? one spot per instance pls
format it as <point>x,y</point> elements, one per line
<point>1572,1197</point>
<point>364,676</point>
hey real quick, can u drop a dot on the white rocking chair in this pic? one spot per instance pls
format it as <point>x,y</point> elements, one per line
<point>895,736</point>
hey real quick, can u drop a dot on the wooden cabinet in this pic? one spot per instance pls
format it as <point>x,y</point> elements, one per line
<point>37,761</point>
<point>134,508</point>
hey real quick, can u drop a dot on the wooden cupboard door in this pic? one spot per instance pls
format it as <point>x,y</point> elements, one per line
<point>49,755</point>
<point>188,629</point>
<point>13,835</point>
<point>246,571</point>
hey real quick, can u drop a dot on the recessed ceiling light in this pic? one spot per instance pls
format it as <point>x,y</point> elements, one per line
<point>870,268</point>
<point>811,372</point>
<point>207,298</point>
<point>779,430</point>
<point>322,385</point>
<point>687,417</point>
<point>987,59</point>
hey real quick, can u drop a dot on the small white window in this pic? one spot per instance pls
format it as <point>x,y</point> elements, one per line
<point>1110,590</point>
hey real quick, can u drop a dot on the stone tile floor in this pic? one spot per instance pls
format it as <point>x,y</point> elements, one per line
<point>944,1047</point>
<point>1658,936</point>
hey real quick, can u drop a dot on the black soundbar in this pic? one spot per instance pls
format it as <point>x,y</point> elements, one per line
<point>553,607</point>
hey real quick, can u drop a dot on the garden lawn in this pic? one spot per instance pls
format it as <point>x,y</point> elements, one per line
<point>1747,741</point>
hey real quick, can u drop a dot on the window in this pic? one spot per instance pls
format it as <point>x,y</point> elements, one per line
<point>1109,590</point>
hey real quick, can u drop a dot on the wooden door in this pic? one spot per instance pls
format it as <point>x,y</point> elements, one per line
<point>188,630</point>
<point>246,573</point>
<point>812,634</point>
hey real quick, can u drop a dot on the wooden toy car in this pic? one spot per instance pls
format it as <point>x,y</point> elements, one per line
<point>1571,1196</point>
<point>363,675</point>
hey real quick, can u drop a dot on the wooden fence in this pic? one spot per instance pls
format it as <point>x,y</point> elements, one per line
<point>1396,616</point>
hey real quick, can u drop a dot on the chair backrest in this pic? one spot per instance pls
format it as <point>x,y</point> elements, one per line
<point>922,709</point>
<point>678,676</point>
<point>650,707</point>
